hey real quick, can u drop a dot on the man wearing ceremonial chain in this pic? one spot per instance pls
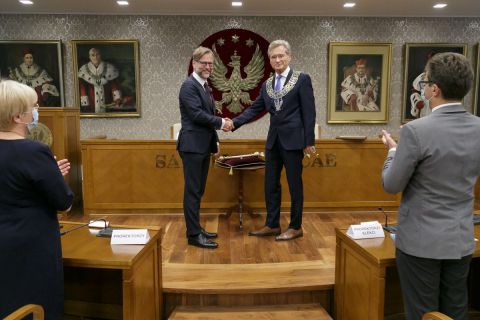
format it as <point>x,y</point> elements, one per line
<point>98,84</point>
<point>288,97</point>
<point>34,76</point>
<point>360,89</point>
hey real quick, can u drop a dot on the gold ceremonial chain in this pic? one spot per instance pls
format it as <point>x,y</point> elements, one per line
<point>29,79</point>
<point>278,95</point>
<point>98,79</point>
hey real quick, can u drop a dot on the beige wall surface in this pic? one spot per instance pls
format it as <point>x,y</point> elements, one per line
<point>166,44</point>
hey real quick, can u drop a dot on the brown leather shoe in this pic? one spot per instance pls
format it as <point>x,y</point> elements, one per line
<point>265,231</point>
<point>290,234</point>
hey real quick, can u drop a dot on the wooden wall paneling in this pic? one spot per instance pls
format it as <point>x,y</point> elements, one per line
<point>73,151</point>
<point>145,176</point>
<point>64,123</point>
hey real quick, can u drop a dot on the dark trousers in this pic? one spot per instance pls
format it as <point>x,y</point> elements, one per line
<point>276,158</point>
<point>433,285</point>
<point>195,172</point>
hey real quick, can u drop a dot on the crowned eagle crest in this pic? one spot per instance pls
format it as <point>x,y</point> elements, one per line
<point>234,88</point>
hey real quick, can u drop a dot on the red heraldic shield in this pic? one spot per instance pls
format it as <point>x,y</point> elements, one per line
<point>240,68</point>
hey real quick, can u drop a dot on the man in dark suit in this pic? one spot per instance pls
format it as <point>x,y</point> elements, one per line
<point>435,165</point>
<point>196,140</point>
<point>288,97</point>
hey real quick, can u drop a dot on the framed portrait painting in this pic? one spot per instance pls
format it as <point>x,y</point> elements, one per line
<point>476,102</point>
<point>416,58</point>
<point>359,82</point>
<point>37,64</point>
<point>106,74</point>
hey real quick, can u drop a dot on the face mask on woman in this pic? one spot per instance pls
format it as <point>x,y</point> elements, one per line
<point>34,123</point>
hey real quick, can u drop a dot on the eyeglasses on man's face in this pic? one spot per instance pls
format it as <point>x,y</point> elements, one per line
<point>423,84</point>
<point>204,63</point>
<point>34,108</point>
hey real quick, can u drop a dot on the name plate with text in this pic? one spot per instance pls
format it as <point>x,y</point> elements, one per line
<point>366,230</point>
<point>130,236</point>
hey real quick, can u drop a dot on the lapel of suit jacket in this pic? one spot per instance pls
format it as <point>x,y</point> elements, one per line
<point>289,76</point>
<point>203,96</point>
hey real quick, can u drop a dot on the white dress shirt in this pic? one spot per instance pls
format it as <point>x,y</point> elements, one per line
<point>282,79</point>
<point>202,83</point>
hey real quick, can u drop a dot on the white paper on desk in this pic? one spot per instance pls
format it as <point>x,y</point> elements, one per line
<point>130,236</point>
<point>366,231</point>
<point>98,224</point>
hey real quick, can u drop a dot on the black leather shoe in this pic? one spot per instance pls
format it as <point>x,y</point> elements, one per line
<point>199,240</point>
<point>207,234</point>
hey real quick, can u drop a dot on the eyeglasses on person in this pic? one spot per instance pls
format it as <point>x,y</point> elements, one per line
<point>35,108</point>
<point>204,63</point>
<point>422,84</point>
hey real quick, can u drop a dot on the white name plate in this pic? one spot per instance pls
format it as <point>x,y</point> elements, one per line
<point>130,236</point>
<point>366,231</point>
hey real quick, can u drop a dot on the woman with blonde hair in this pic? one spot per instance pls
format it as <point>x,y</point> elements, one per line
<point>32,189</point>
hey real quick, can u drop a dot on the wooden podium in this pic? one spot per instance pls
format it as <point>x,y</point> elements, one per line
<point>64,123</point>
<point>367,285</point>
<point>111,281</point>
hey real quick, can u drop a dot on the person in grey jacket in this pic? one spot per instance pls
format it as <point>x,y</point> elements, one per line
<point>436,165</point>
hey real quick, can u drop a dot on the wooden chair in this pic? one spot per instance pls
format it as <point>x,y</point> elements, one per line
<point>37,311</point>
<point>435,316</point>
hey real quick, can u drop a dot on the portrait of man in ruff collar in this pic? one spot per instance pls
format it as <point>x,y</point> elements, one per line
<point>106,77</point>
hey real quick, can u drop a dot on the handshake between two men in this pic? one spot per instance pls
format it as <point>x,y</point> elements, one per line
<point>228,125</point>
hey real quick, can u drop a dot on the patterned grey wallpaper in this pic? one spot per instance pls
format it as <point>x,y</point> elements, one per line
<point>166,43</point>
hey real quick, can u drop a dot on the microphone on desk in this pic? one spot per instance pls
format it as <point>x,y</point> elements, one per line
<point>387,228</point>
<point>106,232</point>
<point>83,225</point>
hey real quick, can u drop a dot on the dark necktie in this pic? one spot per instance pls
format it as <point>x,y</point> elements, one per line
<point>207,90</point>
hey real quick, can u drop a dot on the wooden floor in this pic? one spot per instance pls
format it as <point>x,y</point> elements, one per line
<point>236,247</point>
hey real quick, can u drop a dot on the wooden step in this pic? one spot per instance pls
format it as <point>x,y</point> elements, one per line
<point>248,278</point>
<point>276,312</point>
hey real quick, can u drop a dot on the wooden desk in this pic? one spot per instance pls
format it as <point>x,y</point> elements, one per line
<point>146,176</point>
<point>367,285</point>
<point>111,281</point>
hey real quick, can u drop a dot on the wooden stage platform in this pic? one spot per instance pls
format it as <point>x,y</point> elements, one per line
<point>244,270</point>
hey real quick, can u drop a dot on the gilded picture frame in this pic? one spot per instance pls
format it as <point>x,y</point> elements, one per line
<point>416,58</point>
<point>107,77</point>
<point>476,103</point>
<point>359,82</point>
<point>38,64</point>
